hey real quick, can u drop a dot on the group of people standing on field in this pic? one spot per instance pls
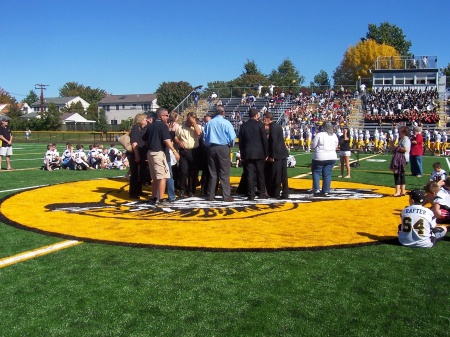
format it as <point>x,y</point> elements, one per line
<point>161,146</point>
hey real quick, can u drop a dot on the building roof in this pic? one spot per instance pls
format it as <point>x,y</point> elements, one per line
<point>55,100</point>
<point>31,115</point>
<point>5,108</point>
<point>124,99</point>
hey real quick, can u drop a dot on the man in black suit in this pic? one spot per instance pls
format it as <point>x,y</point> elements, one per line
<point>277,181</point>
<point>253,146</point>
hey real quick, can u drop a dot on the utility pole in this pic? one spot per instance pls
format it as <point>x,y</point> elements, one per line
<point>42,87</point>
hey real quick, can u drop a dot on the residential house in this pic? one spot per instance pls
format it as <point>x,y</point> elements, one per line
<point>60,102</point>
<point>119,108</point>
<point>23,107</point>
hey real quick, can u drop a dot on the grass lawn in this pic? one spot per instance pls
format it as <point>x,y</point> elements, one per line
<point>103,290</point>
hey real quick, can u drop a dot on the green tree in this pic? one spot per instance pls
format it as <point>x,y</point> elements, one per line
<point>170,94</point>
<point>126,124</point>
<point>322,79</point>
<point>89,94</point>
<point>249,80</point>
<point>247,84</point>
<point>102,122</point>
<point>250,68</point>
<point>15,122</point>
<point>391,35</point>
<point>221,88</point>
<point>71,89</point>
<point>74,108</point>
<point>446,70</point>
<point>359,59</point>
<point>92,112</point>
<point>92,95</point>
<point>31,98</point>
<point>51,119</point>
<point>286,75</point>
<point>5,97</point>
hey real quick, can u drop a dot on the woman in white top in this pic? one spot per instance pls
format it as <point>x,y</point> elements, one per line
<point>324,145</point>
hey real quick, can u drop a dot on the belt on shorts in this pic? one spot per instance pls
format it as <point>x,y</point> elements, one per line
<point>218,145</point>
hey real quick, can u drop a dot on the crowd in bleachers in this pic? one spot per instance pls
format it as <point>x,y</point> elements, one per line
<point>389,105</point>
<point>311,109</point>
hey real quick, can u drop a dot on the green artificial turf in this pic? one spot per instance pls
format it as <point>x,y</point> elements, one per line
<point>101,290</point>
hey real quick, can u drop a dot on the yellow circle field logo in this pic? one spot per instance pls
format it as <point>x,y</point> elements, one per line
<point>99,211</point>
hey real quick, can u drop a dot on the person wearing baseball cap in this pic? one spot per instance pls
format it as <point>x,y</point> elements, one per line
<point>418,228</point>
<point>6,143</point>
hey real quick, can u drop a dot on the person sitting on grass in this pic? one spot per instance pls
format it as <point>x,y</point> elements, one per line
<point>94,156</point>
<point>105,161</point>
<point>440,200</point>
<point>238,158</point>
<point>113,152</point>
<point>418,228</point>
<point>68,156</point>
<point>438,175</point>
<point>81,159</point>
<point>52,160</point>
<point>117,163</point>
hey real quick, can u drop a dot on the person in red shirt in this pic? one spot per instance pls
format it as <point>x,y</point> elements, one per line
<point>416,154</point>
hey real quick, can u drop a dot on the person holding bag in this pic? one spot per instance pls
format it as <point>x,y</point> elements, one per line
<point>399,161</point>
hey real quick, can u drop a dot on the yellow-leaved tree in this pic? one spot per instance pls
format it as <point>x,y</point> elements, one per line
<point>359,59</point>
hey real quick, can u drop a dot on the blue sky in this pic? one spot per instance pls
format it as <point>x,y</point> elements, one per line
<point>133,46</point>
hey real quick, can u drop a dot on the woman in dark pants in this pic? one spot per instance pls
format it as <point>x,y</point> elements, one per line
<point>399,161</point>
<point>137,158</point>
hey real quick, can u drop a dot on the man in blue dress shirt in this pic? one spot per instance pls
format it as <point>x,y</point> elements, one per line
<point>219,136</point>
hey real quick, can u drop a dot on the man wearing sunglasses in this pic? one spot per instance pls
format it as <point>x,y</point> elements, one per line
<point>158,139</point>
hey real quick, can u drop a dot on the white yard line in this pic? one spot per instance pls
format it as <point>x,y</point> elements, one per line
<point>22,188</point>
<point>309,173</point>
<point>37,252</point>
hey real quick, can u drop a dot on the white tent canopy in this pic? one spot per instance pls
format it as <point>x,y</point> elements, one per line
<point>76,118</point>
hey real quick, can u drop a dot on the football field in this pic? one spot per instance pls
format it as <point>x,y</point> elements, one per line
<point>77,258</point>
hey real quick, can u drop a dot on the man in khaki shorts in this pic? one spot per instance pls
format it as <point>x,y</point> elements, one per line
<point>6,146</point>
<point>157,137</point>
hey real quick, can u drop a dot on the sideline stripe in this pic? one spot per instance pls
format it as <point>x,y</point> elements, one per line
<point>37,252</point>
<point>352,161</point>
<point>24,169</point>
<point>448,163</point>
<point>22,188</point>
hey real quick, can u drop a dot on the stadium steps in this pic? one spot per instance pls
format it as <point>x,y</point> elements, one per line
<point>443,118</point>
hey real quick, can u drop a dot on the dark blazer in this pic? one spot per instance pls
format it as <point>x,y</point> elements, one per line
<point>277,148</point>
<point>253,142</point>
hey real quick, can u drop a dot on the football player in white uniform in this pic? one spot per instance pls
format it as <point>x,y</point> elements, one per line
<point>444,143</point>
<point>81,159</point>
<point>418,228</point>
<point>68,156</point>
<point>440,197</point>
<point>428,140</point>
<point>52,160</point>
